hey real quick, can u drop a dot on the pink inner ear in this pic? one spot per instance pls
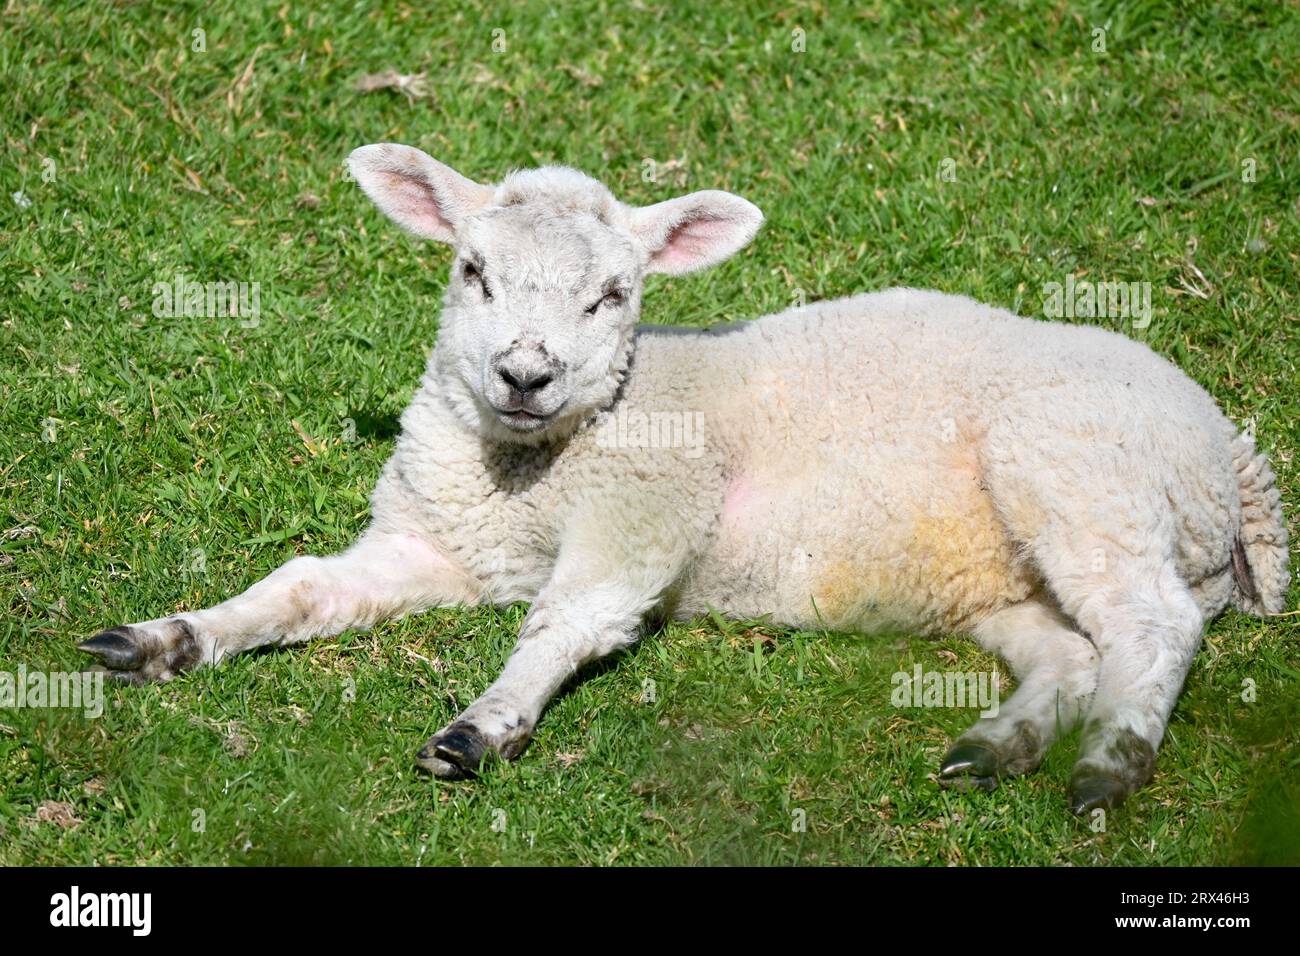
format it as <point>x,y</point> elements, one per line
<point>692,241</point>
<point>412,200</point>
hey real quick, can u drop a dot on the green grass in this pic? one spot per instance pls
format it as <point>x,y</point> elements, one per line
<point>150,465</point>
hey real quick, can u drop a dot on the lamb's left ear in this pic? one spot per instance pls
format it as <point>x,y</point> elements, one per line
<point>416,191</point>
<point>695,231</point>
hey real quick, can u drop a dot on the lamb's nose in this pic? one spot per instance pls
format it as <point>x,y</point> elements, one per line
<point>525,382</point>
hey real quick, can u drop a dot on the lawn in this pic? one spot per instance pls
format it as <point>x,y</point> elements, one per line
<point>155,463</point>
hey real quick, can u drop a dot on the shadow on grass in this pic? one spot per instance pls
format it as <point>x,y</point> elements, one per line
<point>737,782</point>
<point>1269,834</point>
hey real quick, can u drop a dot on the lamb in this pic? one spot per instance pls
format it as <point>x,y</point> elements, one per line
<point>897,460</point>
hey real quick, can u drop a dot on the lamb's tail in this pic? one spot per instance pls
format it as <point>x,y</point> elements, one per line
<point>1259,552</point>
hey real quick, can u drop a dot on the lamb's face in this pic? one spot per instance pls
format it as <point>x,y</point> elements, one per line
<point>540,308</point>
<point>545,287</point>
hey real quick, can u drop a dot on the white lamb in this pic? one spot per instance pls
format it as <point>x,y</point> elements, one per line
<point>902,460</point>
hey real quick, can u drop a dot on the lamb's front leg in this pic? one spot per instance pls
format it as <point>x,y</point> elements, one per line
<point>598,595</point>
<point>560,634</point>
<point>383,575</point>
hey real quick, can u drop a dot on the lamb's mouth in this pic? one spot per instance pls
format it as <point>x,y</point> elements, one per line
<point>522,420</point>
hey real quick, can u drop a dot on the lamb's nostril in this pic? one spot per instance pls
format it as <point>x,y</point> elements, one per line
<point>526,382</point>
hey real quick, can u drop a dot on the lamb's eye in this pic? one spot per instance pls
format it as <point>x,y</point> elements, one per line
<point>474,276</point>
<point>609,298</point>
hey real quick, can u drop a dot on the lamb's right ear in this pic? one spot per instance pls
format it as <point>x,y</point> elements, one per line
<point>694,231</point>
<point>416,191</point>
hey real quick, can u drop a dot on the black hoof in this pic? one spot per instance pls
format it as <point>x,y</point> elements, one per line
<point>1092,793</point>
<point>969,767</point>
<point>115,648</point>
<point>456,752</point>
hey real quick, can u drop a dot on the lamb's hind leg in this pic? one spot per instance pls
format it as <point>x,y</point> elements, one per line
<point>381,576</point>
<point>1090,502</point>
<point>1057,671</point>
<point>1147,628</point>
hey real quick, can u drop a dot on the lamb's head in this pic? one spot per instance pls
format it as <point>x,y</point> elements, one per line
<point>545,290</point>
